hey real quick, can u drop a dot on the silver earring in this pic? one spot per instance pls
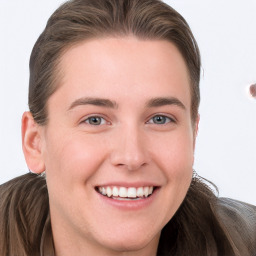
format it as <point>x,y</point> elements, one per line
<point>194,175</point>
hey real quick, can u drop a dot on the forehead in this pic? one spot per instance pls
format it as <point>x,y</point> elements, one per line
<point>127,64</point>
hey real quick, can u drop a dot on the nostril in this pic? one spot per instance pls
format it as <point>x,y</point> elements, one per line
<point>131,163</point>
<point>135,166</point>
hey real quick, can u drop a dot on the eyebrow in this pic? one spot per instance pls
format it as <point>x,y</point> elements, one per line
<point>93,101</point>
<point>155,102</point>
<point>162,101</point>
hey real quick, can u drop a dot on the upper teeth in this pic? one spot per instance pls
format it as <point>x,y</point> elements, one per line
<point>130,192</point>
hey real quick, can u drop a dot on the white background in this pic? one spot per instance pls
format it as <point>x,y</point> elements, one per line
<point>226,34</point>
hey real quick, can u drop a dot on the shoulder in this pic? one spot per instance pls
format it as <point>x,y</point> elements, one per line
<point>24,210</point>
<point>237,212</point>
<point>26,187</point>
<point>239,221</point>
<point>22,193</point>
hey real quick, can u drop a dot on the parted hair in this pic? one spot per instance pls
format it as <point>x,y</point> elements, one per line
<point>24,204</point>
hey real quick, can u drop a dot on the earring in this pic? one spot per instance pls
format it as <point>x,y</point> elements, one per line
<point>42,174</point>
<point>194,175</point>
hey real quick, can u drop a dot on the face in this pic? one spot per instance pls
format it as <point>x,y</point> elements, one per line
<point>118,147</point>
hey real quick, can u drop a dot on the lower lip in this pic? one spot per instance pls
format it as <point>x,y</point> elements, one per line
<point>130,204</point>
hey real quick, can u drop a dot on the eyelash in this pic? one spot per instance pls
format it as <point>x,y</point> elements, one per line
<point>165,120</point>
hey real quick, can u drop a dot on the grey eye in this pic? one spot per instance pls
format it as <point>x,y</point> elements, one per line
<point>95,120</point>
<point>160,119</point>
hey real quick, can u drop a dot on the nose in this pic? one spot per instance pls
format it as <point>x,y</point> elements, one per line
<point>129,150</point>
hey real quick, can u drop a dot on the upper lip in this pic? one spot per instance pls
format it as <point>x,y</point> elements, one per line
<point>128,184</point>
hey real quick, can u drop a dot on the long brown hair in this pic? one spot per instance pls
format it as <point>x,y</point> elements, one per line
<point>24,204</point>
<point>24,208</point>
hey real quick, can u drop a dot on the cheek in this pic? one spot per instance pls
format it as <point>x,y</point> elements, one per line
<point>176,162</point>
<point>175,154</point>
<point>177,166</point>
<point>178,169</point>
<point>73,157</point>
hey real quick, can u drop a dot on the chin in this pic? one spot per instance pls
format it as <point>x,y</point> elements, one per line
<point>130,242</point>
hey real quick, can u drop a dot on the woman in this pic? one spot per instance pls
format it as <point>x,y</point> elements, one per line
<point>110,138</point>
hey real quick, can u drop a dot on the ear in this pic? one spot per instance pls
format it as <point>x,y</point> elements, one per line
<point>196,125</point>
<point>31,143</point>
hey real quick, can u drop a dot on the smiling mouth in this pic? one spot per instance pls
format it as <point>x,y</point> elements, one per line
<point>124,193</point>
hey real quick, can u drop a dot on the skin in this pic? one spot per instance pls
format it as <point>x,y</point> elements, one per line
<point>128,146</point>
